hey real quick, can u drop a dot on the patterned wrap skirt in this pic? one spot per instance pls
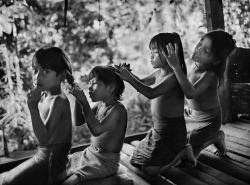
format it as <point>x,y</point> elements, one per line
<point>93,163</point>
<point>202,126</point>
<point>163,142</point>
<point>47,166</point>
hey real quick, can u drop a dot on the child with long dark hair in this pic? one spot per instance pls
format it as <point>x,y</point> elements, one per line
<point>205,72</point>
<point>166,140</point>
<point>51,120</point>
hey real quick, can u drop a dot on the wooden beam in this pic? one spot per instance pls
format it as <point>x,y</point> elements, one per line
<point>214,14</point>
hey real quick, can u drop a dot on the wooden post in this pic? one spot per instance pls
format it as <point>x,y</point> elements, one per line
<point>214,14</point>
<point>215,20</point>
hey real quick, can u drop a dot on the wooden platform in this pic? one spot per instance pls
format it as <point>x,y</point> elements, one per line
<point>234,169</point>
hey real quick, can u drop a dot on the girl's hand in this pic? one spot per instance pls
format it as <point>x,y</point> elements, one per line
<point>172,57</point>
<point>123,65</point>
<point>34,96</point>
<point>78,93</point>
<point>123,73</point>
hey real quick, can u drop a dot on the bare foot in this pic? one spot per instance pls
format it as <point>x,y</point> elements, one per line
<point>220,144</point>
<point>188,156</point>
<point>186,153</point>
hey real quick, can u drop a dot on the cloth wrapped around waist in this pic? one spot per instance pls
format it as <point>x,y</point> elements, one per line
<point>202,125</point>
<point>47,166</point>
<point>93,163</point>
<point>196,119</point>
<point>163,142</point>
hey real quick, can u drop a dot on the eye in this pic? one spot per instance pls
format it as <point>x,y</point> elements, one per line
<point>45,71</point>
<point>35,71</point>
<point>207,51</point>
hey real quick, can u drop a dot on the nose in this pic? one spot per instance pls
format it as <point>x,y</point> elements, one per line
<point>90,86</point>
<point>37,76</point>
<point>151,56</point>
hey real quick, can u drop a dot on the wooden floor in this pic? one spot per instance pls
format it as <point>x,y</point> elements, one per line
<point>234,169</point>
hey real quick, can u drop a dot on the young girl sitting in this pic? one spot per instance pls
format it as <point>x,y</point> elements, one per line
<point>205,71</point>
<point>106,120</point>
<point>167,138</point>
<point>51,120</point>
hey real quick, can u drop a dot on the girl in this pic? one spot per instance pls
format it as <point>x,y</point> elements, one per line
<point>106,120</point>
<point>205,71</point>
<point>167,137</point>
<point>51,120</point>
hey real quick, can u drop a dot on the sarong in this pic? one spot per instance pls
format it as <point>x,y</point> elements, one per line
<point>93,163</point>
<point>163,142</point>
<point>47,166</point>
<point>202,126</point>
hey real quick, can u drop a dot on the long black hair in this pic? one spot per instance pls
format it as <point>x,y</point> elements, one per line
<point>54,58</point>
<point>160,41</point>
<point>222,44</point>
<point>107,75</point>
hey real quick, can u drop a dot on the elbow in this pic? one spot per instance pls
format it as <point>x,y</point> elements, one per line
<point>96,132</point>
<point>190,96</point>
<point>150,95</point>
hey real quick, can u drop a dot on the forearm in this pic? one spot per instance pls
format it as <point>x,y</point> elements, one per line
<point>39,128</point>
<point>141,88</point>
<point>186,86</point>
<point>90,118</point>
<point>78,118</point>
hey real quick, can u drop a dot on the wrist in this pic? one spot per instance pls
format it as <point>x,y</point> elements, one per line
<point>176,69</point>
<point>34,109</point>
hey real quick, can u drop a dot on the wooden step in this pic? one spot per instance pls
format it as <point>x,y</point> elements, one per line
<point>125,154</point>
<point>223,177</point>
<point>224,166</point>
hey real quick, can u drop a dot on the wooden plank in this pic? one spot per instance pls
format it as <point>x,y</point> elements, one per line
<point>238,149</point>
<point>173,174</point>
<point>231,156</point>
<point>181,178</point>
<point>125,154</point>
<point>202,176</point>
<point>214,14</point>
<point>121,179</point>
<point>224,166</point>
<point>240,125</point>
<point>238,141</point>
<point>239,133</point>
<point>223,177</point>
<point>136,179</point>
<point>156,180</point>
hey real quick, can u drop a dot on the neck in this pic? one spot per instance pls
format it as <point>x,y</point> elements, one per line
<point>109,102</point>
<point>54,91</point>
<point>167,71</point>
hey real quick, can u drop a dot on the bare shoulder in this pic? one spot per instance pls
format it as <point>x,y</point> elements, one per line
<point>119,109</point>
<point>61,102</point>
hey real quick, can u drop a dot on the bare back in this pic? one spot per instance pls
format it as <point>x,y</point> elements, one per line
<point>56,116</point>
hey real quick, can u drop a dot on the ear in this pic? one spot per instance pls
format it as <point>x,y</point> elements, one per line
<point>62,76</point>
<point>111,88</point>
<point>216,62</point>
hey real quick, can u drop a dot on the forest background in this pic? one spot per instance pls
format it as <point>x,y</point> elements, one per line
<point>94,33</point>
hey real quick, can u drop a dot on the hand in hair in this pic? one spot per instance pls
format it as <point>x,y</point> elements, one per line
<point>123,65</point>
<point>172,57</point>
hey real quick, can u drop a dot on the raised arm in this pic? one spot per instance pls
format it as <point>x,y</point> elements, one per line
<point>78,114</point>
<point>98,127</point>
<point>190,90</point>
<point>44,123</point>
<point>150,92</point>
